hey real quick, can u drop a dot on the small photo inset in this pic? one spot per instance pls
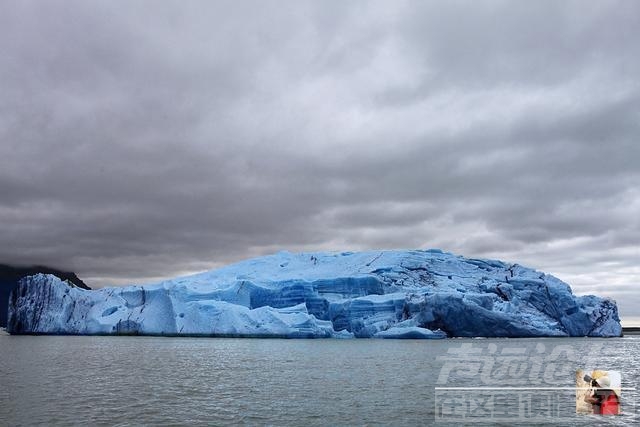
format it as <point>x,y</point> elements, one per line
<point>598,392</point>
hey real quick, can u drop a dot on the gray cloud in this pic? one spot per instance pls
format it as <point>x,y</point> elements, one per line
<point>151,139</point>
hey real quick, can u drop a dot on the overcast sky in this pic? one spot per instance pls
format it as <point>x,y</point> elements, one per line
<point>144,140</point>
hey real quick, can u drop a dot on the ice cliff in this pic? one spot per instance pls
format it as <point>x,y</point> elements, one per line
<point>11,275</point>
<point>384,294</point>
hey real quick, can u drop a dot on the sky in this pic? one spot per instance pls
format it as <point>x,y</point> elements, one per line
<point>144,140</point>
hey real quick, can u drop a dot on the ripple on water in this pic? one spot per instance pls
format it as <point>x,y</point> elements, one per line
<point>164,381</point>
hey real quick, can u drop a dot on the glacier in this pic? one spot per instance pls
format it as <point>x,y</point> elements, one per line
<point>415,294</point>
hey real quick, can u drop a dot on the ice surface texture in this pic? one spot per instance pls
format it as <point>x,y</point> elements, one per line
<point>383,294</point>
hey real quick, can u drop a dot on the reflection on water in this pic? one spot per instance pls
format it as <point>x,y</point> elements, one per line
<point>154,380</point>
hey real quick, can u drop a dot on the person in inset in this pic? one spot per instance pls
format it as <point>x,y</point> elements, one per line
<point>604,400</point>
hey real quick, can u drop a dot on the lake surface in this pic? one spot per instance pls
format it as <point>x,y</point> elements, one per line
<point>61,380</point>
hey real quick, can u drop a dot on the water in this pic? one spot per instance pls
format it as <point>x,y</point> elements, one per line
<point>57,380</point>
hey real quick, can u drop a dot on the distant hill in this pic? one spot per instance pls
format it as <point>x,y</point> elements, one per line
<point>9,277</point>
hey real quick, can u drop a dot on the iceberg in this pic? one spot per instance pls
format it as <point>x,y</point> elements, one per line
<point>413,294</point>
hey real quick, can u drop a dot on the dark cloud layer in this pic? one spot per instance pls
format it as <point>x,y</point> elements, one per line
<point>149,139</point>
